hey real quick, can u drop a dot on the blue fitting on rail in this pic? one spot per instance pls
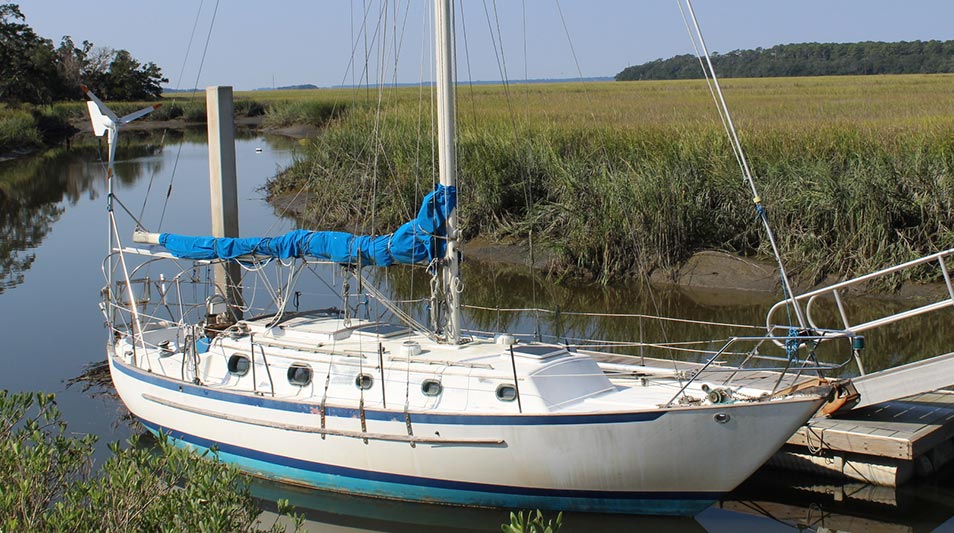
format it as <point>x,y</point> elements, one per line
<point>760,210</point>
<point>791,344</point>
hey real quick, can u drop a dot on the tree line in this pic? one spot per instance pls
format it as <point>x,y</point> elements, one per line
<point>35,71</point>
<point>807,59</point>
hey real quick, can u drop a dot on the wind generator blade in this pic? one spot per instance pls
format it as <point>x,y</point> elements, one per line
<point>99,104</point>
<point>101,123</point>
<point>102,117</point>
<point>138,114</point>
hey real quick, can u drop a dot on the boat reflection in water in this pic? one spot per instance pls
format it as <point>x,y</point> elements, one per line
<point>811,503</point>
<point>768,501</point>
<point>328,511</point>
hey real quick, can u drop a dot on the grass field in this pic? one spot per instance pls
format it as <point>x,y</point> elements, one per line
<point>622,178</point>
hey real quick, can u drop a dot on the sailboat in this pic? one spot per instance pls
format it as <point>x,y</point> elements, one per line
<point>400,410</point>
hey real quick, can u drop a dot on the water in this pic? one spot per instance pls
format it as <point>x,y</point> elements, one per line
<point>52,213</point>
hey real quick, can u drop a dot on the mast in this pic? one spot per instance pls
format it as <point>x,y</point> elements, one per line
<point>447,159</point>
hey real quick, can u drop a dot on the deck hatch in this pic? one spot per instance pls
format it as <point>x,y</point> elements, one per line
<point>383,330</point>
<point>542,352</point>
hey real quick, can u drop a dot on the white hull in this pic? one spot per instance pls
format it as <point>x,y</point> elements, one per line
<point>655,461</point>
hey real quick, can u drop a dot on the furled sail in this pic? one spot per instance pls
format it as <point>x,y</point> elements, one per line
<point>417,241</point>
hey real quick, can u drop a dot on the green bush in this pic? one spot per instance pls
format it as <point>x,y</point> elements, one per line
<point>532,523</point>
<point>48,483</point>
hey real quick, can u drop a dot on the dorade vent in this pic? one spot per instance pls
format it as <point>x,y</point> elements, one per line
<point>410,348</point>
<point>505,339</point>
<point>506,392</point>
<point>299,374</point>
<point>364,381</point>
<point>431,387</point>
<point>238,365</point>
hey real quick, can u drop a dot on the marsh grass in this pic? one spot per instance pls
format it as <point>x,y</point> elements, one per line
<point>18,129</point>
<point>28,127</point>
<point>287,113</point>
<point>620,179</point>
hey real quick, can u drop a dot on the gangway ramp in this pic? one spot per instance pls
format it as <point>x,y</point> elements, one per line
<point>902,381</point>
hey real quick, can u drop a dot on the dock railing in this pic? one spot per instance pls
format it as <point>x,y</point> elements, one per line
<point>839,290</point>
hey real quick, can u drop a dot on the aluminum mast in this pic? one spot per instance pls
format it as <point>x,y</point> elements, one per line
<point>447,160</point>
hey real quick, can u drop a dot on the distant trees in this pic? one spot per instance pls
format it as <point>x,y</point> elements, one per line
<point>807,59</point>
<point>33,70</point>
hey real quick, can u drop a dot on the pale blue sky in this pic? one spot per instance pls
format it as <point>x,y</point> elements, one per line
<point>309,41</point>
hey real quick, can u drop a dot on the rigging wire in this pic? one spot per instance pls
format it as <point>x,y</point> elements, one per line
<point>496,36</point>
<point>747,173</point>
<point>470,77</point>
<point>527,185</point>
<point>195,86</point>
<point>420,114</point>
<point>377,149</point>
<point>705,74</point>
<point>185,59</point>
<point>349,69</point>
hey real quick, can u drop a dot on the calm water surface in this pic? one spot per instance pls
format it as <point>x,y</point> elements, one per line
<point>52,212</point>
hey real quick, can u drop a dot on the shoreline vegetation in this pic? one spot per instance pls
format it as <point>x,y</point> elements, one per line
<point>625,180</point>
<point>806,59</point>
<point>50,483</point>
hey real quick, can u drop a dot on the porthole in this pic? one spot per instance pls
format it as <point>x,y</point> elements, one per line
<point>238,365</point>
<point>506,393</point>
<point>299,374</point>
<point>363,381</point>
<point>431,387</point>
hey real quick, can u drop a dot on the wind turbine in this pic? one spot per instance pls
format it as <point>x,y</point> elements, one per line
<point>105,121</point>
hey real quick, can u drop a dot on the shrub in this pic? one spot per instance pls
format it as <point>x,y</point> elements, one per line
<point>49,484</point>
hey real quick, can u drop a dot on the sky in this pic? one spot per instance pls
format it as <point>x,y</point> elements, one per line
<point>257,43</point>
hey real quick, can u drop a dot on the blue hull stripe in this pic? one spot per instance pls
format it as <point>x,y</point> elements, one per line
<point>398,416</point>
<point>401,487</point>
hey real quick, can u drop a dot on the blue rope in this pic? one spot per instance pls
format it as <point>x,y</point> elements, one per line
<point>792,344</point>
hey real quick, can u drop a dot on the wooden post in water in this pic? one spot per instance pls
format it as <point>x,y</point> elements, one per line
<point>224,188</point>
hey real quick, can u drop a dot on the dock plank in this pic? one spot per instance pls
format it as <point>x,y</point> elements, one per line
<point>902,429</point>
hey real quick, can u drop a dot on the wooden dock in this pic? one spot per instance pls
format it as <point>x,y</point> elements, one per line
<point>885,444</point>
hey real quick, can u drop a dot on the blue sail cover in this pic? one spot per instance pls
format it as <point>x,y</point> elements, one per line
<point>413,242</point>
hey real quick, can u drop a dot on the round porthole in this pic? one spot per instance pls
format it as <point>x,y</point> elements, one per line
<point>506,393</point>
<point>299,374</point>
<point>363,381</point>
<point>238,365</point>
<point>431,387</point>
<point>721,418</point>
